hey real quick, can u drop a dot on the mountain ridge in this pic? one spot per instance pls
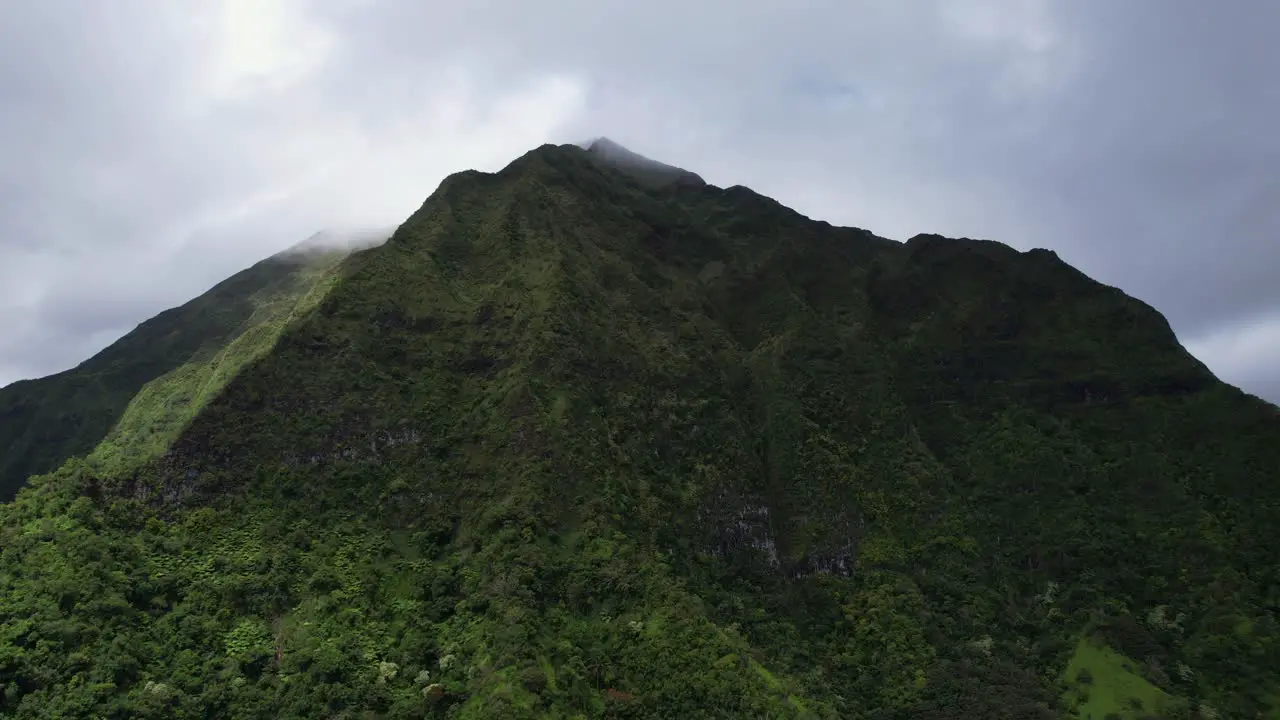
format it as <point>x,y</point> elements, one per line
<point>35,441</point>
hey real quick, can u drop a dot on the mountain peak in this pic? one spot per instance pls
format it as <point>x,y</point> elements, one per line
<point>644,169</point>
<point>605,145</point>
<point>335,240</point>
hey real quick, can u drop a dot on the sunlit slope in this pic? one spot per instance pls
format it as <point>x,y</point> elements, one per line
<point>176,360</point>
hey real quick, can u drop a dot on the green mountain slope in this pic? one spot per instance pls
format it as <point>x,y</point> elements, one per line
<point>585,442</point>
<point>166,367</point>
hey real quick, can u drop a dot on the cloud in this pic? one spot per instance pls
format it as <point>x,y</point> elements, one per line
<point>1244,354</point>
<point>144,140</point>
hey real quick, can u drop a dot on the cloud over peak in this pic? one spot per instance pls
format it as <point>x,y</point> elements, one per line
<point>182,144</point>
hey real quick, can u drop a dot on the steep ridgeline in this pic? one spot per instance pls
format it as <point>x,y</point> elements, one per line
<point>577,442</point>
<point>137,392</point>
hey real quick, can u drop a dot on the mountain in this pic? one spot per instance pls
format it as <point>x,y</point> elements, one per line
<point>590,437</point>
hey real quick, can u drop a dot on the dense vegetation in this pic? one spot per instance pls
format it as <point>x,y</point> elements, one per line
<point>578,442</point>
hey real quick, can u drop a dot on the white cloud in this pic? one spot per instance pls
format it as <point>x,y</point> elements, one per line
<point>347,169</point>
<point>264,45</point>
<point>1245,354</point>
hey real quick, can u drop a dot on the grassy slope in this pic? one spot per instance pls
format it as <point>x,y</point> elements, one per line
<point>137,392</point>
<point>1104,683</point>
<point>574,446</point>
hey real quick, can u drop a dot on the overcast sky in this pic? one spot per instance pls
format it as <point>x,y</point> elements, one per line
<point>149,148</point>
